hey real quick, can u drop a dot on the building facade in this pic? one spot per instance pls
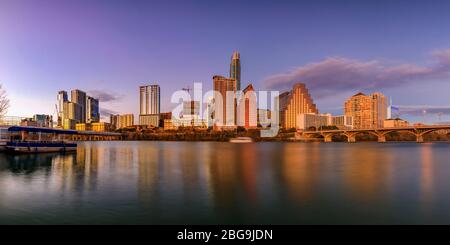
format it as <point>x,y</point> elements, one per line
<point>174,124</point>
<point>44,121</point>
<point>312,121</point>
<point>121,121</point>
<point>224,102</point>
<point>92,110</point>
<point>149,120</point>
<point>342,122</point>
<point>79,97</point>
<point>62,98</point>
<point>72,114</point>
<point>235,69</point>
<point>291,104</point>
<point>150,100</point>
<point>367,111</point>
<point>395,123</point>
<point>247,108</point>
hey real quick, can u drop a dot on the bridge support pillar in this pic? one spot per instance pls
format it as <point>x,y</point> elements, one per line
<point>351,138</point>
<point>328,138</point>
<point>419,138</point>
<point>381,138</point>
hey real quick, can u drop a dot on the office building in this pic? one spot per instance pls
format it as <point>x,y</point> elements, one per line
<point>92,110</point>
<point>62,97</point>
<point>293,103</point>
<point>224,102</point>
<point>72,114</point>
<point>342,122</point>
<point>247,109</point>
<point>149,100</point>
<point>235,69</point>
<point>43,121</point>
<point>100,127</point>
<point>121,121</point>
<point>367,111</point>
<point>149,120</point>
<point>312,121</point>
<point>79,97</point>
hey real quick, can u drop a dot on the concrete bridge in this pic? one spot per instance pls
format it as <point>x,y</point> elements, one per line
<point>380,133</point>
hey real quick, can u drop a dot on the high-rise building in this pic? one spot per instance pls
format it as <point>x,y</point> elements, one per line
<point>79,97</point>
<point>367,111</point>
<point>62,97</point>
<point>393,112</point>
<point>247,110</point>
<point>72,115</point>
<point>92,110</point>
<point>149,99</point>
<point>225,104</point>
<point>235,69</point>
<point>293,103</point>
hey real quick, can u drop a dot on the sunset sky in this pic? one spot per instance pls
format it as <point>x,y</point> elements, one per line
<point>338,48</point>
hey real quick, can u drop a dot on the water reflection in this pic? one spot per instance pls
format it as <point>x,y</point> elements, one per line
<point>212,182</point>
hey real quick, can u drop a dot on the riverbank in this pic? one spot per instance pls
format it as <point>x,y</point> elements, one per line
<point>255,134</point>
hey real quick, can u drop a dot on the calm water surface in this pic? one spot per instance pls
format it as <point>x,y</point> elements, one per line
<point>212,182</point>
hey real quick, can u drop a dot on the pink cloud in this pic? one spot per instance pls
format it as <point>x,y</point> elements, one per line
<point>339,74</point>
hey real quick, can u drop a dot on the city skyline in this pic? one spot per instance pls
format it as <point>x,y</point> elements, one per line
<point>96,52</point>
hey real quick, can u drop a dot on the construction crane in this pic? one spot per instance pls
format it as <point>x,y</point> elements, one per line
<point>188,89</point>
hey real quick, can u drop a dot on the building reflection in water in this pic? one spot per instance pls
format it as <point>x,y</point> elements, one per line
<point>300,170</point>
<point>426,177</point>
<point>210,182</point>
<point>367,171</point>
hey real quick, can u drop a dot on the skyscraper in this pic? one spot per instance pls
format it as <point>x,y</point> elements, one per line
<point>79,97</point>
<point>367,111</point>
<point>247,109</point>
<point>92,110</point>
<point>62,97</point>
<point>149,103</point>
<point>293,103</point>
<point>224,107</point>
<point>235,69</point>
<point>149,99</point>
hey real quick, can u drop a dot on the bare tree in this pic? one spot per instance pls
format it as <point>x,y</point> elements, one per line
<point>4,101</point>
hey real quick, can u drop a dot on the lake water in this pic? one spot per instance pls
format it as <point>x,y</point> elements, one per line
<point>224,183</point>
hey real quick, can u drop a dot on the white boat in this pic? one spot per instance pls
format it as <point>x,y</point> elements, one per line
<point>241,140</point>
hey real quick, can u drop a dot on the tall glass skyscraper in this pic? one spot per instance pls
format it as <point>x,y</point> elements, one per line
<point>235,69</point>
<point>79,97</point>
<point>92,110</point>
<point>62,97</point>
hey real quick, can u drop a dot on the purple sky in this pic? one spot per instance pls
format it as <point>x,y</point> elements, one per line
<point>338,48</point>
